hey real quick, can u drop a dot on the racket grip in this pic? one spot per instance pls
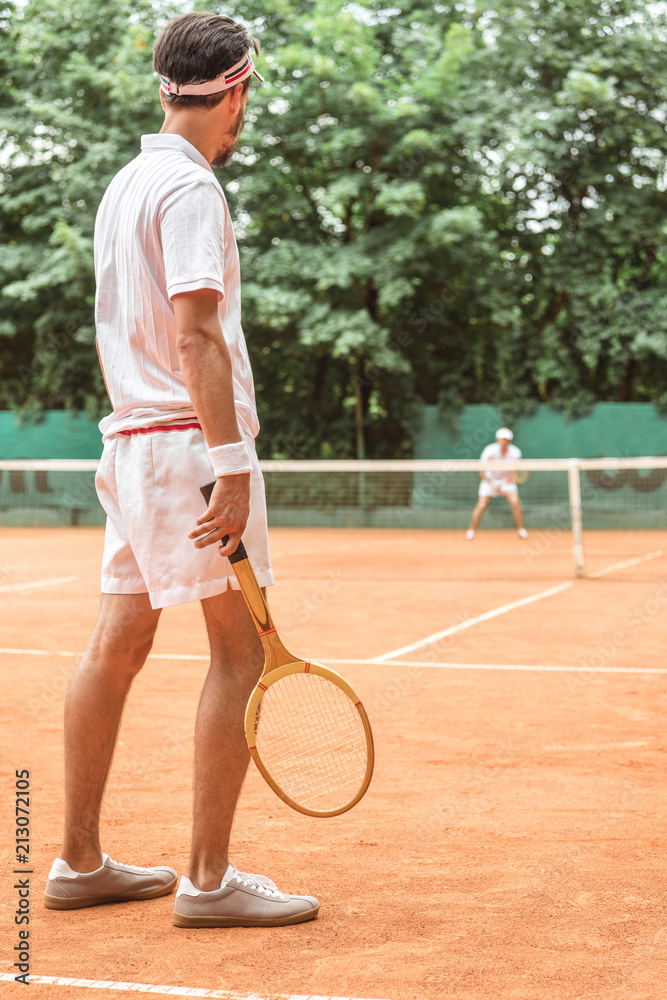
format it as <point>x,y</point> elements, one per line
<point>206,491</point>
<point>240,553</point>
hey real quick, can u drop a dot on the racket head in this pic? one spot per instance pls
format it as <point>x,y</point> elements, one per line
<point>522,476</point>
<point>310,737</point>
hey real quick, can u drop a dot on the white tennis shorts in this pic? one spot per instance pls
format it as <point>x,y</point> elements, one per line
<point>148,484</point>
<point>486,489</point>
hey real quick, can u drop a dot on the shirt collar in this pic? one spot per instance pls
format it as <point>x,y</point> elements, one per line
<point>168,140</point>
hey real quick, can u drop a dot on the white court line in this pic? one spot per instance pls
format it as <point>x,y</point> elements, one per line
<point>454,629</point>
<point>178,656</point>
<point>505,666</point>
<point>38,652</point>
<point>68,652</point>
<point>38,583</point>
<point>172,991</point>
<point>385,663</point>
<point>470,622</point>
<point>628,562</point>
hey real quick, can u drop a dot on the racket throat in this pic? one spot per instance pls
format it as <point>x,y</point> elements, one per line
<point>275,654</point>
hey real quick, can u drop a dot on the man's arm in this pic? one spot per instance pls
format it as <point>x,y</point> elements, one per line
<point>207,372</point>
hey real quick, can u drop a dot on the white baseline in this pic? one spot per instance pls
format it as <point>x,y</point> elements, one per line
<point>37,583</point>
<point>171,991</point>
<point>426,664</point>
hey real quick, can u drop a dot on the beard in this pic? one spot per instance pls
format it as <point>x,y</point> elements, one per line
<point>230,141</point>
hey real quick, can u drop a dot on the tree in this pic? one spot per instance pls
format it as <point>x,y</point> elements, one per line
<point>433,204</point>
<point>81,90</point>
<point>453,206</point>
<point>363,244</point>
<point>586,176</point>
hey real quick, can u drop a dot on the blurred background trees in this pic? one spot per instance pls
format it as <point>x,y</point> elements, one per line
<point>441,203</point>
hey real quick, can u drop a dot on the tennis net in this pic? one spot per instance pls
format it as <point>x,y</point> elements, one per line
<point>603,517</point>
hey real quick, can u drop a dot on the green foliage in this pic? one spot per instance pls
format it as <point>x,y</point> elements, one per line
<point>80,92</point>
<point>433,203</point>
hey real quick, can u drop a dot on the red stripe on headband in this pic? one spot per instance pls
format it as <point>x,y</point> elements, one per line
<point>247,65</point>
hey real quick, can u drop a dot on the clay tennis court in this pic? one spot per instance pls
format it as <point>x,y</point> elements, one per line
<point>512,842</point>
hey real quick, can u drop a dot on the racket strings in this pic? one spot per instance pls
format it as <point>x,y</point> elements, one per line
<point>311,739</point>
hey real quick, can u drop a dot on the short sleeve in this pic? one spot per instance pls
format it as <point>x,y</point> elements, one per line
<point>487,453</point>
<point>517,452</point>
<point>192,226</point>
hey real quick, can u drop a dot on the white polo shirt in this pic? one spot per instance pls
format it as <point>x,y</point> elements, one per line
<point>493,451</point>
<point>163,227</point>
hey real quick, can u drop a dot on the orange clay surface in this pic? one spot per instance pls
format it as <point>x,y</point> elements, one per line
<point>512,843</point>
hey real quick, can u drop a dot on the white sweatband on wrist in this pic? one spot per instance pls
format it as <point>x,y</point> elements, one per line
<point>230,459</point>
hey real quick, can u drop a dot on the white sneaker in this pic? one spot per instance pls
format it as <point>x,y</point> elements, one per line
<point>241,901</point>
<point>470,534</point>
<point>112,882</point>
<point>523,533</point>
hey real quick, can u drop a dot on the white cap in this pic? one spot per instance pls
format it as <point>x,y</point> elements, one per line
<point>504,432</point>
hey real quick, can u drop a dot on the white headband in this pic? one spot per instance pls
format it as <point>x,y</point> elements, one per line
<point>237,74</point>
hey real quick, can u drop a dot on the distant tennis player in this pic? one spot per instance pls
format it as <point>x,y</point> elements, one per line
<point>168,318</point>
<point>498,483</point>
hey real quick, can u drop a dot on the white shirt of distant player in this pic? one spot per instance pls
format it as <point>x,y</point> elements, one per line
<point>163,227</point>
<point>500,476</point>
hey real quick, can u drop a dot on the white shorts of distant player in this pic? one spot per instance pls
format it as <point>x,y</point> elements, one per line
<point>497,487</point>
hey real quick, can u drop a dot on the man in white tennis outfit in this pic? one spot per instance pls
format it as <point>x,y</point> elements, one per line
<point>498,483</point>
<point>168,317</point>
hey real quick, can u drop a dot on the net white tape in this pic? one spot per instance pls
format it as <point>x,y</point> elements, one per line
<point>583,516</point>
<point>311,740</point>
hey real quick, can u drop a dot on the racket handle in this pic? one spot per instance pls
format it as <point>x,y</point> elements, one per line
<point>206,491</point>
<point>245,575</point>
<point>240,553</point>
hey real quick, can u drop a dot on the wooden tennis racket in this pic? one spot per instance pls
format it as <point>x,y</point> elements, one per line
<point>306,728</point>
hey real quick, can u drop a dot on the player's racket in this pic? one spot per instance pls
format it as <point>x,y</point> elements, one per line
<point>306,728</point>
<point>522,476</point>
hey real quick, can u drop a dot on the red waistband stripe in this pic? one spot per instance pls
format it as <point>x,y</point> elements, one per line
<point>162,427</point>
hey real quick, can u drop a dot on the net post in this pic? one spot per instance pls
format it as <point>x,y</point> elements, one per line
<point>574,486</point>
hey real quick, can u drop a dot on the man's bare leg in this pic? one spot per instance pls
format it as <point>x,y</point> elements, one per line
<point>221,751</point>
<point>478,512</point>
<point>93,709</point>
<point>517,511</point>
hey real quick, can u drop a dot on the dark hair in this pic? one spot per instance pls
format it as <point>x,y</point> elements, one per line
<point>197,47</point>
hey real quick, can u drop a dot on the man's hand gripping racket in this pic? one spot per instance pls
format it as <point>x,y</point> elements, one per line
<point>306,728</point>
